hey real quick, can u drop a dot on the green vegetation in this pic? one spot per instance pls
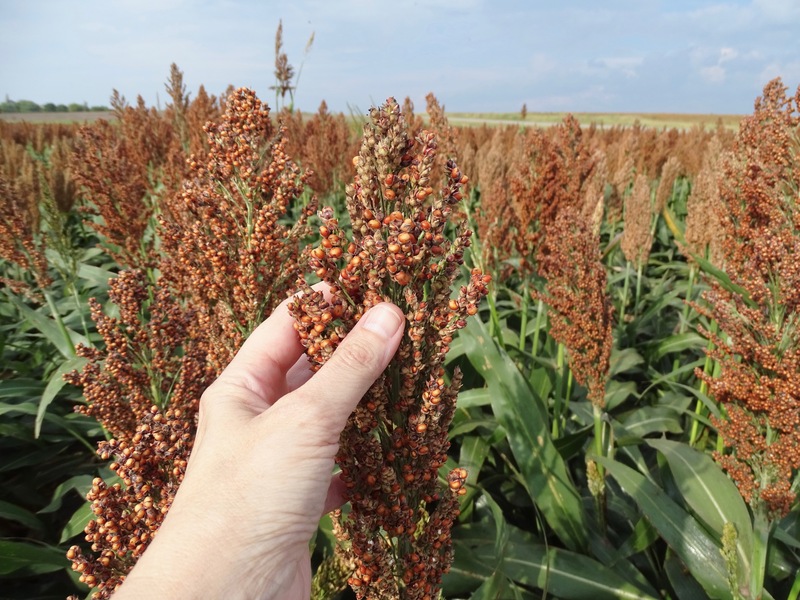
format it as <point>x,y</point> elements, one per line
<point>29,106</point>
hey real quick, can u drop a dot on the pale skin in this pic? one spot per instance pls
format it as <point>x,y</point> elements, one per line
<point>259,477</point>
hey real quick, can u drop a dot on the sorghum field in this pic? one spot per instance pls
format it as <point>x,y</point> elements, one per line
<point>598,391</point>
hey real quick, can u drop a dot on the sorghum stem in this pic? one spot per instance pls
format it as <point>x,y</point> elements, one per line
<point>538,327</point>
<point>685,314</point>
<point>560,401</point>
<point>600,450</point>
<point>708,365</point>
<point>639,269</point>
<point>524,324</point>
<point>495,319</point>
<point>59,322</point>
<point>625,288</point>
<point>79,308</point>
<point>762,527</point>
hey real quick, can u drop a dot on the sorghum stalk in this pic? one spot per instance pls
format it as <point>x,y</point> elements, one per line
<point>538,327</point>
<point>398,528</point>
<point>711,369</point>
<point>581,316</point>
<point>794,593</point>
<point>524,316</point>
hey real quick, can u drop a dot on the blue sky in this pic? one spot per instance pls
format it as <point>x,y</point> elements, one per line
<point>475,55</point>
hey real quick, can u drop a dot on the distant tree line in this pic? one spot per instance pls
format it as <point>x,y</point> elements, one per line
<point>29,106</point>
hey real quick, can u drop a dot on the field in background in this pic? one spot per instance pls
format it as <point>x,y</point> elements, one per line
<point>660,120</point>
<point>56,117</point>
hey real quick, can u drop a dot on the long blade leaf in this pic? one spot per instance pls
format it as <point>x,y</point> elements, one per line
<point>525,420</point>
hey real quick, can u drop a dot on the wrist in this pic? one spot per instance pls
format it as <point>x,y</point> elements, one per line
<point>194,556</point>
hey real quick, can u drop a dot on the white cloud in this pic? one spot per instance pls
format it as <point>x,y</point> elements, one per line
<point>716,72</point>
<point>713,74</point>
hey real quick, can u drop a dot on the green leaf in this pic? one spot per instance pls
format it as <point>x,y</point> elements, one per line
<point>468,425</point>
<point>652,419</point>
<point>49,329</point>
<point>685,586</point>
<point>474,397</point>
<point>525,420</point>
<point>492,588</point>
<point>12,512</point>
<point>77,523</point>
<point>21,388</point>
<point>561,573</point>
<point>467,572</point>
<point>456,350</point>
<point>80,483</point>
<point>54,386</point>
<point>711,495</point>
<point>33,558</point>
<point>25,408</point>
<point>566,575</point>
<point>618,392</point>
<point>624,360</point>
<point>474,451</point>
<point>642,537</point>
<point>679,529</point>
<point>679,343</point>
<point>473,454</point>
<point>540,382</point>
<point>572,444</point>
<point>96,275</point>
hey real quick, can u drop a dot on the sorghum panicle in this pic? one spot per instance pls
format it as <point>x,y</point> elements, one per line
<point>203,109</point>
<point>176,111</point>
<point>151,464</point>
<point>703,227</point>
<point>446,136</point>
<point>581,313</point>
<point>637,236</point>
<point>20,242</point>
<point>124,170</point>
<point>398,527</point>
<point>227,262</point>
<point>321,144</point>
<point>153,354</point>
<point>414,122</point>
<point>548,176</point>
<point>759,382</point>
<point>225,249</point>
<point>670,172</point>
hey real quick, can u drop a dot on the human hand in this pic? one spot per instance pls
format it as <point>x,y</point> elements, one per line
<point>259,476</point>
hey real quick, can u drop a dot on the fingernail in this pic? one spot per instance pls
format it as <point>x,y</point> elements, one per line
<point>382,319</point>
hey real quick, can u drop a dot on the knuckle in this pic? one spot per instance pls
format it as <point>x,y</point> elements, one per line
<point>357,353</point>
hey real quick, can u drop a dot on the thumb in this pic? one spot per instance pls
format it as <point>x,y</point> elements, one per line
<point>335,390</point>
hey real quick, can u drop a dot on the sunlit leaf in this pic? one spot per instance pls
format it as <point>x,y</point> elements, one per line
<point>710,493</point>
<point>679,529</point>
<point>526,422</point>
